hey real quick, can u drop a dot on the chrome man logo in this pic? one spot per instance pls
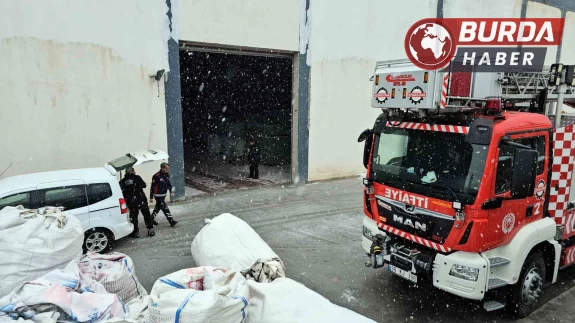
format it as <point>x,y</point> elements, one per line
<point>490,44</point>
<point>540,189</point>
<point>508,223</point>
<point>410,223</point>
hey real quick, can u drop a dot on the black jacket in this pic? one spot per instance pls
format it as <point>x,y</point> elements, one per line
<point>133,189</point>
<point>160,184</point>
<point>254,154</point>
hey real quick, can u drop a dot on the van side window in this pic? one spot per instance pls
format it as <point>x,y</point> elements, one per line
<point>505,162</point>
<point>98,192</point>
<point>15,200</point>
<point>69,197</point>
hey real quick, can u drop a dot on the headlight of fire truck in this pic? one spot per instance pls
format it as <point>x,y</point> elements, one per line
<point>464,272</point>
<point>367,233</point>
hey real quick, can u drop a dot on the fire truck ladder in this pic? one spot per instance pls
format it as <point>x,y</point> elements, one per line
<point>524,86</point>
<point>520,87</point>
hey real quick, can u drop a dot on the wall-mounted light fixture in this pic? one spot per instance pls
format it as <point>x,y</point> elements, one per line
<point>158,75</point>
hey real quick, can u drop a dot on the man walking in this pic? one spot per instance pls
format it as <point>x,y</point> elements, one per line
<point>254,158</point>
<point>133,189</point>
<point>159,189</point>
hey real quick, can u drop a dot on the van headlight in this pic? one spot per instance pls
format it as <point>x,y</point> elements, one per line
<point>464,272</point>
<point>367,233</point>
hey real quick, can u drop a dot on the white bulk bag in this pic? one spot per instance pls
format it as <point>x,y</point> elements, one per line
<point>227,241</point>
<point>62,295</point>
<point>115,271</point>
<point>287,301</point>
<point>137,308</point>
<point>32,244</point>
<point>199,295</point>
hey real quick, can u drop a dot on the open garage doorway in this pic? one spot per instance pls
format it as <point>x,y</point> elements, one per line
<point>228,98</point>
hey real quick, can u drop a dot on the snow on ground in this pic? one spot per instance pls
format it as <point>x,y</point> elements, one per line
<point>190,192</point>
<point>214,174</point>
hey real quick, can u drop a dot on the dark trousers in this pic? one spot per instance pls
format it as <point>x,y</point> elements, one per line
<point>254,171</point>
<point>135,210</point>
<point>162,205</point>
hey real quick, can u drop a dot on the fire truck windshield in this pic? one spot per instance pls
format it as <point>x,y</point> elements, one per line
<point>413,159</point>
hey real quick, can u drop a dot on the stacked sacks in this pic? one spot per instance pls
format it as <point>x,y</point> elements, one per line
<point>116,272</point>
<point>203,294</point>
<point>61,296</point>
<point>228,242</point>
<point>33,244</point>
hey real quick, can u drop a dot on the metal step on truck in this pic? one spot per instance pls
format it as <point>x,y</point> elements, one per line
<point>469,181</point>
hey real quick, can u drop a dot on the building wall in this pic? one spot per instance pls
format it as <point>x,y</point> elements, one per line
<point>568,46</point>
<point>76,90</point>
<point>267,24</point>
<point>346,40</point>
<point>483,8</point>
<point>539,10</point>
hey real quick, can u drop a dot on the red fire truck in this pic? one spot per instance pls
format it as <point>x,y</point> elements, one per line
<point>468,183</point>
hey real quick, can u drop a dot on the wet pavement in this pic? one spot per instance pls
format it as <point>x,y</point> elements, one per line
<point>316,229</point>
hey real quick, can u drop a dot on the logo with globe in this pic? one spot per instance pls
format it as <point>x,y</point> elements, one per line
<point>429,44</point>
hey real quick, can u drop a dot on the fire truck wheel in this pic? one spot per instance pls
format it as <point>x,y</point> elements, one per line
<point>526,293</point>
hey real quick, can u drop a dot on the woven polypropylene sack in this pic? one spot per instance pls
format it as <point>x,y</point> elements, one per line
<point>287,301</point>
<point>116,272</point>
<point>33,244</point>
<point>199,295</point>
<point>226,241</point>
<point>64,295</point>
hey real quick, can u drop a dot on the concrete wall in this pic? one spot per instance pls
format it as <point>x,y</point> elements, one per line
<point>568,46</point>
<point>269,24</point>
<point>483,8</point>
<point>539,10</point>
<point>345,42</point>
<point>76,90</point>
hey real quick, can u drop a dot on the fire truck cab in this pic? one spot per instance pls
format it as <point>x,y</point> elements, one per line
<point>467,189</point>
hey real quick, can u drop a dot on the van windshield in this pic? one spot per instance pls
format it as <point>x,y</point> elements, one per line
<point>435,164</point>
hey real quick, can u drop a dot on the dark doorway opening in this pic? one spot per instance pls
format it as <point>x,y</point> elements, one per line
<point>228,98</point>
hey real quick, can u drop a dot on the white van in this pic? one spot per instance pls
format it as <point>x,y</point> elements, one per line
<point>93,195</point>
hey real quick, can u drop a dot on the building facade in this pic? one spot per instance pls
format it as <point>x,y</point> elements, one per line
<point>77,90</point>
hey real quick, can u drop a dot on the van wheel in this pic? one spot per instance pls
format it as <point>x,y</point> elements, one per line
<point>97,240</point>
<point>526,293</point>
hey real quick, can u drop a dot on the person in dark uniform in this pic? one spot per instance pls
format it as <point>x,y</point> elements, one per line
<point>254,158</point>
<point>158,190</point>
<point>133,189</point>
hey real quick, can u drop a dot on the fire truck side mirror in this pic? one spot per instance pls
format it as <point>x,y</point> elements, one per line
<point>524,173</point>
<point>367,149</point>
<point>366,133</point>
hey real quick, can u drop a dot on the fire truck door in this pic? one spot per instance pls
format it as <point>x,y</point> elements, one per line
<point>514,213</point>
